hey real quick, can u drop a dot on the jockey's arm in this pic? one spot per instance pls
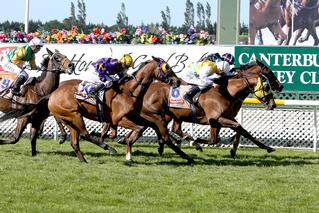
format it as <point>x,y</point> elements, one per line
<point>32,64</point>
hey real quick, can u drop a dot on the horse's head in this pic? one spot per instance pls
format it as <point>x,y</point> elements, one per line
<point>59,63</point>
<point>164,72</point>
<point>261,82</point>
<point>276,86</point>
<point>263,93</point>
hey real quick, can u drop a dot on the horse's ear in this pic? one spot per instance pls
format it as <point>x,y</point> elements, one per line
<point>49,52</point>
<point>156,59</point>
<point>56,51</point>
<point>258,61</point>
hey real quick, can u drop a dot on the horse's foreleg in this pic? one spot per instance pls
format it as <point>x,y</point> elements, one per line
<point>21,125</point>
<point>224,122</point>
<point>299,32</point>
<point>105,130</point>
<point>305,38</point>
<point>166,139</point>
<point>280,31</point>
<point>313,33</point>
<point>130,139</point>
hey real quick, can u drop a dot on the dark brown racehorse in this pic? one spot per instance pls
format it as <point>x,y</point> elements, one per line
<point>214,108</point>
<point>124,101</point>
<point>52,66</point>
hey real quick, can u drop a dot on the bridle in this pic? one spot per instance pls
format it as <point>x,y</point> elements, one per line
<point>164,71</point>
<point>57,64</point>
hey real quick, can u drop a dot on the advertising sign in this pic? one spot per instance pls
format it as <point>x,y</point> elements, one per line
<point>297,68</point>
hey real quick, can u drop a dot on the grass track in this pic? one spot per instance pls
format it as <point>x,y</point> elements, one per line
<point>55,181</point>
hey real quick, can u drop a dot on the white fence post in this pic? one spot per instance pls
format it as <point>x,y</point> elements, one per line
<point>55,131</point>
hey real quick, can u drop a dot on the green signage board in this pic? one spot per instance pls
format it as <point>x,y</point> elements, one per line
<point>297,68</point>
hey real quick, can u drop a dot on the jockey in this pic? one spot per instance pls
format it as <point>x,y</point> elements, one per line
<point>16,59</point>
<point>105,71</point>
<point>203,74</point>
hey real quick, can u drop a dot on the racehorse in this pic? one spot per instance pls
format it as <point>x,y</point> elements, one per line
<point>214,108</point>
<point>267,16</point>
<point>52,66</point>
<point>125,100</point>
<point>306,18</point>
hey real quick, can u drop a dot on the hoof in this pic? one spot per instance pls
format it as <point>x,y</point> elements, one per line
<point>160,150</point>
<point>270,150</point>
<point>190,161</point>
<point>122,141</point>
<point>198,147</point>
<point>83,161</point>
<point>232,154</point>
<point>112,151</point>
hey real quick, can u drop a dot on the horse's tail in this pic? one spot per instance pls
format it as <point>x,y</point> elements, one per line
<point>22,112</point>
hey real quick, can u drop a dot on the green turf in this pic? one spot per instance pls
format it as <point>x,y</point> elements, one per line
<point>55,181</point>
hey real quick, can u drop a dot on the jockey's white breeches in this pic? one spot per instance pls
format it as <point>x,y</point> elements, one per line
<point>10,67</point>
<point>92,76</point>
<point>202,81</point>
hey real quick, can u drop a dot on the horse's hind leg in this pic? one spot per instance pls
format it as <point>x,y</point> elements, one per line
<point>62,130</point>
<point>21,125</point>
<point>34,133</point>
<point>235,145</point>
<point>74,136</point>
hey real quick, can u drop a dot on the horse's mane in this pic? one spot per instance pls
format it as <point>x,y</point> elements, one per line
<point>44,67</point>
<point>242,68</point>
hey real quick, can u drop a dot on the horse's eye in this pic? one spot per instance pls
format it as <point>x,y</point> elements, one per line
<point>56,58</point>
<point>266,88</point>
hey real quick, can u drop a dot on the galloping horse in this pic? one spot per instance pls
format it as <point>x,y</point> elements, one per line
<point>214,108</point>
<point>266,16</point>
<point>124,101</point>
<point>306,18</point>
<point>52,66</point>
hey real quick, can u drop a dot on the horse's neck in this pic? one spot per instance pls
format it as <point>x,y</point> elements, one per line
<point>240,88</point>
<point>142,80</point>
<point>48,83</point>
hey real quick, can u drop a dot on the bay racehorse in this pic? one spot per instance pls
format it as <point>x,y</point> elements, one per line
<point>52,66</point>
<point>123,101</point>
<point>267,14</point>
<point>215,108</point>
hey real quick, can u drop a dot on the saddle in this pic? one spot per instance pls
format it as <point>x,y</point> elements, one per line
<point>83,93</point>
<point>176,97</point>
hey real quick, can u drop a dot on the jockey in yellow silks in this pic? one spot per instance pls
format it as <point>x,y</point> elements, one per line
<point>203,74</point>
<point>16,60</point>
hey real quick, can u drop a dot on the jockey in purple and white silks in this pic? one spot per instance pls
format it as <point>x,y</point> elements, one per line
<point>105,71</point>
<point>16,60</point>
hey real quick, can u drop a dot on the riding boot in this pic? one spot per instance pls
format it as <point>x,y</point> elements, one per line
<point>96,89</point>
<point>190,94</point>
<point>16,88</point>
